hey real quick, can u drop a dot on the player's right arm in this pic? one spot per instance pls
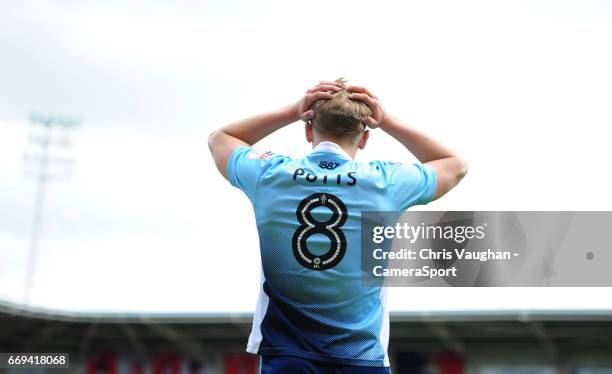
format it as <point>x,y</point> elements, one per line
<point>449,167</point>
<point>246,132</point>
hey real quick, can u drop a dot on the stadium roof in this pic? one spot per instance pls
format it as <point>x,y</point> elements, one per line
<point>31,329</point>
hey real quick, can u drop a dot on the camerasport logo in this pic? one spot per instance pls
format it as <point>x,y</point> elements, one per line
<point>259,154</point>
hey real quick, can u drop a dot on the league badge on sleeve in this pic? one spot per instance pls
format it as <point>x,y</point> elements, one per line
<point>255,154</point>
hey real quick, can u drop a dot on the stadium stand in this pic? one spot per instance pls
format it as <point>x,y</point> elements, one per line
<point>442,342</point>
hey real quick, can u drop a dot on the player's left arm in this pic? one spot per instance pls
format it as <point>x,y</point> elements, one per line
<point>449,167</point>
<point>246,132</point>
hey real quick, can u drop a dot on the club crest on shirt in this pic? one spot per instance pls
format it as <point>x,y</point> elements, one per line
<point>255,154</point>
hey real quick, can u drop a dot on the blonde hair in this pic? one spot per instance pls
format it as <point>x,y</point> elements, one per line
<point>340,115</point>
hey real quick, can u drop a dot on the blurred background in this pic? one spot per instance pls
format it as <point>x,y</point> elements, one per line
<point>121,244</point>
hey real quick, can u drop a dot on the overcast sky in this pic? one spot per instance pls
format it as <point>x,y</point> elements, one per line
<point>522,89</point>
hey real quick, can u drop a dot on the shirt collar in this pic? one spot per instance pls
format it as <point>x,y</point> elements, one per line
<point>331,147</point>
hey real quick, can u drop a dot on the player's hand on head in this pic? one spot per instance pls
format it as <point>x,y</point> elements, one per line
<point>372,101</point>
<point>323,91</point>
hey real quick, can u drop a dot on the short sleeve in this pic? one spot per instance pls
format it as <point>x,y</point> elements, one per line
<point>413,184</point>
<point>245,166</point>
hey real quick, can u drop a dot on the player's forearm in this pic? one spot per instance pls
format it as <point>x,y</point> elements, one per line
<point>423,147</point>
<point>252,129</point>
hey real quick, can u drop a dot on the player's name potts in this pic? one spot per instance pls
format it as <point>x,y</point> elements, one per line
<point>442,254</point>
<point>420,272</point>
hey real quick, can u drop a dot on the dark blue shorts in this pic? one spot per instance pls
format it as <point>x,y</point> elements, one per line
<point>296,365</point>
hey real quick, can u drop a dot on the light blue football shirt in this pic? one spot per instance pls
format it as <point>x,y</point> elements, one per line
<point>311,301</point>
